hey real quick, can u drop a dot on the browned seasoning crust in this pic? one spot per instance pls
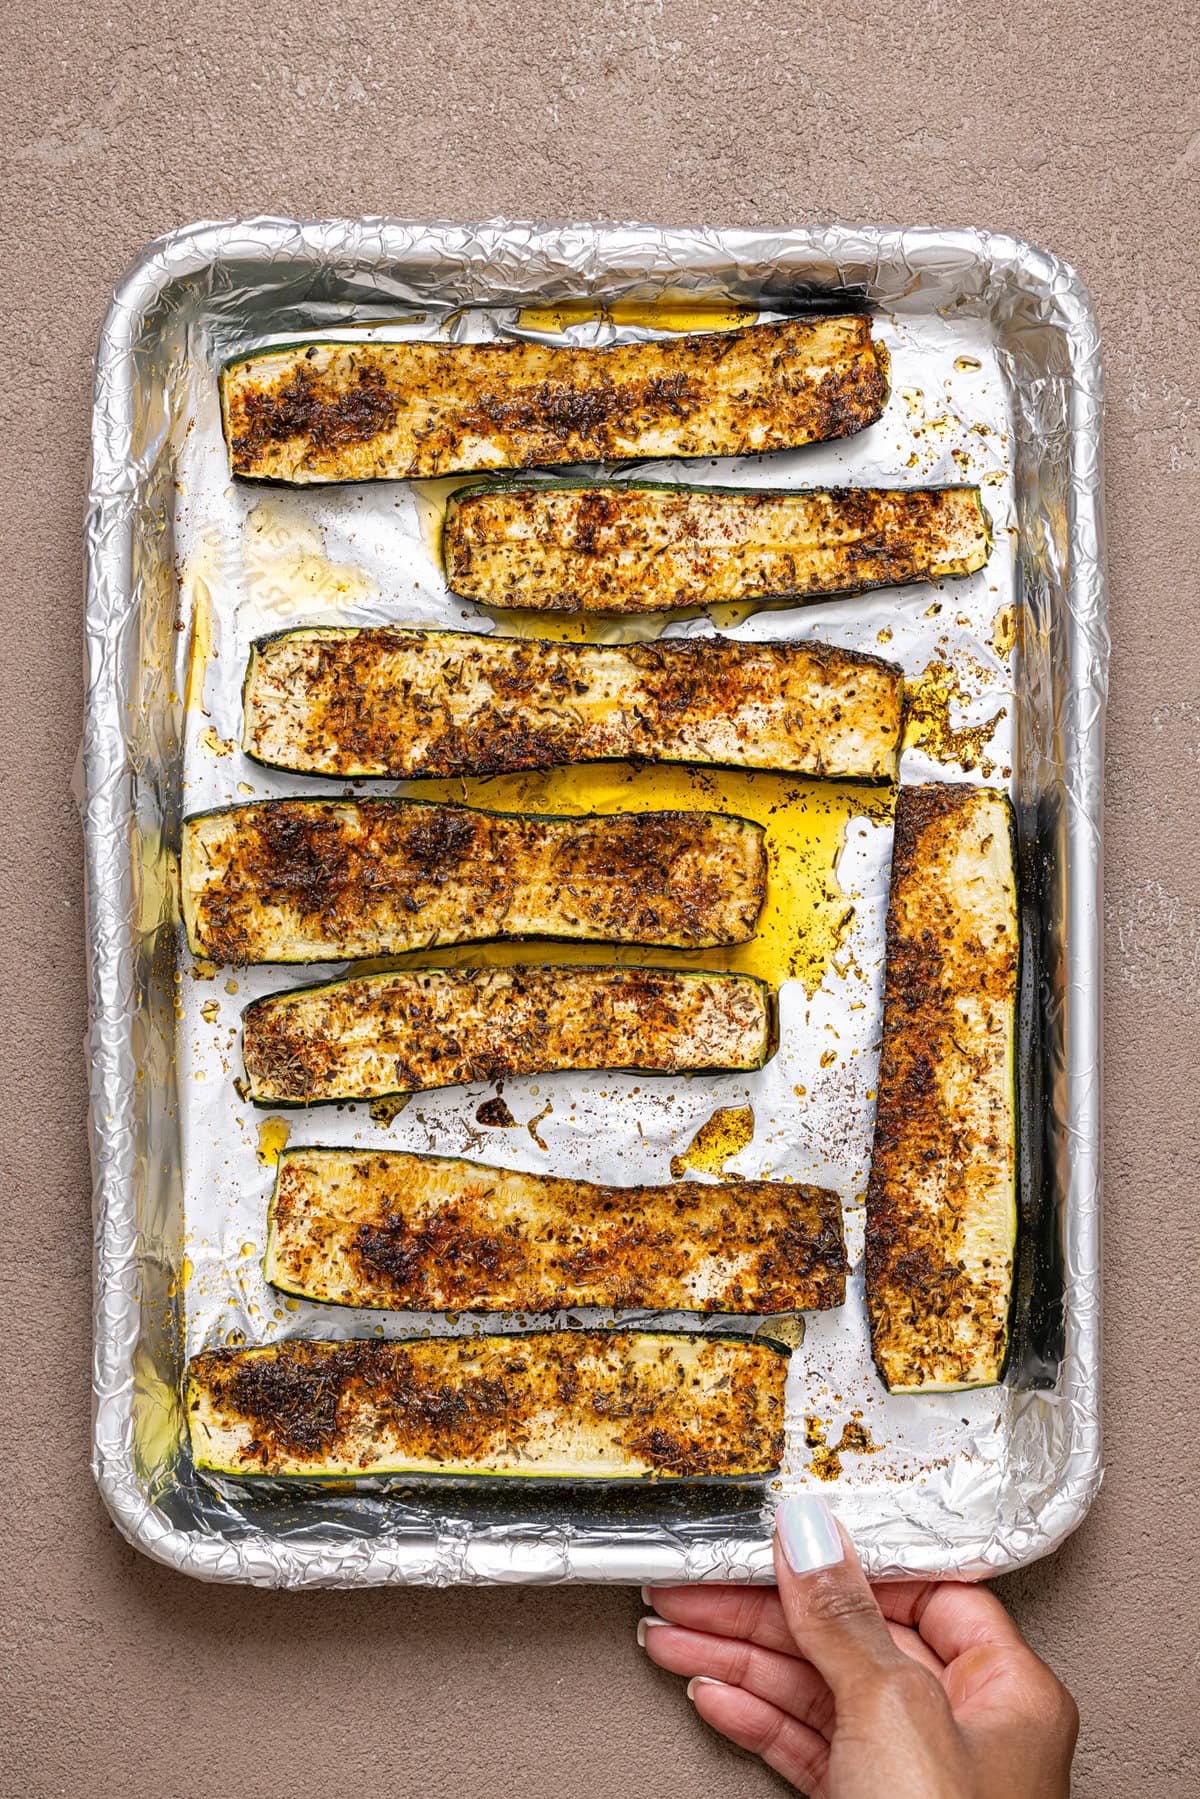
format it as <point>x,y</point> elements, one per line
<point>941,1195</point>
<point>375,1035</point>
<point>567,1404</point>
<point>315,880</point>
<point>327,411</point>
<point>630,547</point>
<point>349,702</point>
<point>429,1233</point>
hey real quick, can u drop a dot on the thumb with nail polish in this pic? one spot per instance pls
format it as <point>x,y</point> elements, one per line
<point>882,1701</point>
<point>913,1690</point>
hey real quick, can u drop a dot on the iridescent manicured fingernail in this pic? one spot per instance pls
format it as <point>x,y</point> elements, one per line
<point>808,1534</point>
<point>647,1595</point>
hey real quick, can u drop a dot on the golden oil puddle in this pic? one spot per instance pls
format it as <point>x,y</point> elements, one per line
<point>785,1328</point>
<point>216,746</point>
<point>200,645</point>
<point>680,312</point>
<point>578,627</point>
<point>273,1134</point>
<point>928,726</point>
<point>1004,632</point>
<point>179,1284</point>
<point>805,915</point>
<point>616,627</point>
<point>719,1138</point>
<point>154,1440</point>
<point>287,570</point>
<point>431,498</point>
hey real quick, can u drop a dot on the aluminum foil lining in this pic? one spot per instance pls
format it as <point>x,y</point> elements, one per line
<point>996,379</point>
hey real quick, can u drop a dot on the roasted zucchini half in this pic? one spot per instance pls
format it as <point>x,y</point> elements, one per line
<point>942,1194</point>
<point>433,1233</point>
<point>335,700</point>
<point>371,1036</point>
<point>321,880</point>
<point>544,1405</point>
<point>636,547</point>
<point>321,411</point>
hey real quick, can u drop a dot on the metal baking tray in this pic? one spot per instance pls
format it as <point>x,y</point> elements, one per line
<point>996,378</point>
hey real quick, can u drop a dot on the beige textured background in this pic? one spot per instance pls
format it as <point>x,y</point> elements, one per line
<point>1075,124</point>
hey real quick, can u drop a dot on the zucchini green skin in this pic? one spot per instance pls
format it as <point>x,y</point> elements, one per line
<point>942,1193</point>
<point>612,1406</point>
<point>325,879</point>
<point>320,411</point>
<point>438,1233</point>
<point>622,547</point>
<point>379,1035</point>
<point>361,703</point>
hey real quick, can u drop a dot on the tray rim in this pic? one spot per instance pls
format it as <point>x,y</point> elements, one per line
<point>191,250</point>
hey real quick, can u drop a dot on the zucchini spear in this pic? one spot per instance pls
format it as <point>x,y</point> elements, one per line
<point>336,700</point>
<point>375,1035</point>
<point>942,1199</point>
<point>633,547</point>
<point>546,1405</point>
<point>322,880</point>
<point>322,411</point>
<point>434,1233</point>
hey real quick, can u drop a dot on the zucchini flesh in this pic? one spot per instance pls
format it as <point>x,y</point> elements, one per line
<point>371,1036</point>
<point>321,411</point>
<point>550,1405</point>
<point>626,547</point>
<point>319,880</point>
<point>941,1199</point>
<point>434,1233</point>
<point>335,700</point>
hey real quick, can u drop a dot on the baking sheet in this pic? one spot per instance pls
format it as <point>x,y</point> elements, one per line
<point>995,379</point>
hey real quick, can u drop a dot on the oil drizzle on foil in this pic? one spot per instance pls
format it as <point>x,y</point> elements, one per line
<point>287,571</point>
<point>200,643</point>
<point>273,1134</point>
<point>682,312</point>
<point>806,913</point>
<point>724,1135</point>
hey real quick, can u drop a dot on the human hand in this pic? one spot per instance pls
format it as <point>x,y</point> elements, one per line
<point>905,1690</point>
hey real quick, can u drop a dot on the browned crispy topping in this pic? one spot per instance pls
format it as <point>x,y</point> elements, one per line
<point>304,407</point>
<point>473,1258</point>
<point>944,1129</point>
<point>390,702</point>
<point>329,411</point>
<point>296,1400</point>
<point>570,412</point>
<point>310,880</point>
<point>425,1234</point>
<point>424,1028</point>
<point>494,1401</point>
<point>631,548</point>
